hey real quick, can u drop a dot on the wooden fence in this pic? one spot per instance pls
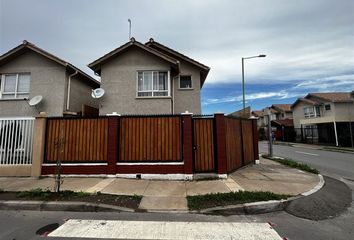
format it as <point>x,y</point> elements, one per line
<point>77,140</point>
<point>239,143</point>
<point>204,158</point>
<point>150,144</point>
<point>150,139</point>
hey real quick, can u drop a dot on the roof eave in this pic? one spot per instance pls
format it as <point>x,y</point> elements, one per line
<point>27,45</point>
<point>96,65</point>
<point>187,59</point>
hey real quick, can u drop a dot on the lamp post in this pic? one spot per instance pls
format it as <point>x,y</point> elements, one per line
<point>243,78</point>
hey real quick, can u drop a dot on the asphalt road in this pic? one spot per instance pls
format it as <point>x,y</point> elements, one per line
<point>335,164</point>
<point>22,225</point>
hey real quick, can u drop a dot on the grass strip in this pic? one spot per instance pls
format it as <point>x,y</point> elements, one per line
<point>41,194</point>
<point>293,164</point>
<point>222,199</point>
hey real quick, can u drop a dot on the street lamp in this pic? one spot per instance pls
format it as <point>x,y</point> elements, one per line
<point>243,78</point>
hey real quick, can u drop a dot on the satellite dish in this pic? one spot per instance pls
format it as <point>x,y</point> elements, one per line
<point>97,93</point>
<point>35,100</point>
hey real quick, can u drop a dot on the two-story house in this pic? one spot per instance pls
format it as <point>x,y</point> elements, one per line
<point>329,116</point>
<point>27,71</point>
<point>281,121</point>
<point>278,112</point>
<point>149,78</point>
<point>282,111</point>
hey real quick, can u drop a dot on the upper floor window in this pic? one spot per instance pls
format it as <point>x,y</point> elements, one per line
<point>185,82</point>
<point>152,84</point>
<point>311,112</point>
<point>15,86</point>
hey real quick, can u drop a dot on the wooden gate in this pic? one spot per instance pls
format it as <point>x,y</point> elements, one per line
<point>203,141</point>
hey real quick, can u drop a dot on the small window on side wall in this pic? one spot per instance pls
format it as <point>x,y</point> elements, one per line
<point>328,107</point>
<point>185,82</point>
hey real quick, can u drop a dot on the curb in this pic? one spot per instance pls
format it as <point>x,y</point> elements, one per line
<point>260,207</point>
<point>61,206</point>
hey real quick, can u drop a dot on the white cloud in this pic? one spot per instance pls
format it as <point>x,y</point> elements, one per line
<point>249,97</point>
<point>328,84</point>
<point>304,40</point>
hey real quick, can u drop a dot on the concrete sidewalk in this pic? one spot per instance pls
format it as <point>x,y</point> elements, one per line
<point>171,195</point>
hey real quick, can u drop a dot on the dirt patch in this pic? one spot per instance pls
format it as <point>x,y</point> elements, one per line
<point>116,200</point>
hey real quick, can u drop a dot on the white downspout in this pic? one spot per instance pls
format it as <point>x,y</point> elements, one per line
<point>68,92</point>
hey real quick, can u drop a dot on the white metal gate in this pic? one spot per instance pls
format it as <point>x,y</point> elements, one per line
<point>16,140</point>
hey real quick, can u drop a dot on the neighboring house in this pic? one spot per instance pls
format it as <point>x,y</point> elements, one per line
<point>243,113</point>
<point>27,71</point>
<point>283,111</point>
<point>281,121</point>
<point>260,118</point>
<point>284,130</point>
<point>149,79</point>
<point>277,112</point>
<point>331,115</point>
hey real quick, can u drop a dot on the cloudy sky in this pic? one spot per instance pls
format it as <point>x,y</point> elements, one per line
<point>309,44</point>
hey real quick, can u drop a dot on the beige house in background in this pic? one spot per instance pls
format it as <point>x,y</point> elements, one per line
<point>331,114</point>
<point>149,78</point>
<point>27,71</point>
<point>278,112</point>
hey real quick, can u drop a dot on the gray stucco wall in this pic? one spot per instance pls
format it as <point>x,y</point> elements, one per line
<point>188,99</point>
<point>47,79</point>
<point>80,93</point>
<point>119,80</point>
<point>298,113</point>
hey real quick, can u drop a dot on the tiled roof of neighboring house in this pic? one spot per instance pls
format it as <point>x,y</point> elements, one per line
<point>272,110</point>
<point>282,107</point>
<point>6,57</point>
<point>257,113</point>
<point>243,113</point>
<point>333,96</point>
<point>318,98</point>
<point>309,101</point>
<point>96,65</point>
<point>160,47</point>
<point>288,122</point>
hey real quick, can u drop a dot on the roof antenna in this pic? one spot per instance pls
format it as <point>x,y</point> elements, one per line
<point>130,28</point>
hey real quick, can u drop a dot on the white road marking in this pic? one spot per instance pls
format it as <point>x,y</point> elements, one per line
<point>97,229</point>
<point>312,154</point>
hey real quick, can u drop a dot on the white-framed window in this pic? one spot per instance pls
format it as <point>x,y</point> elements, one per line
<point>311,112</point>
<point>153,84</point>
<point>185,82</point>
<point>15,86</point>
